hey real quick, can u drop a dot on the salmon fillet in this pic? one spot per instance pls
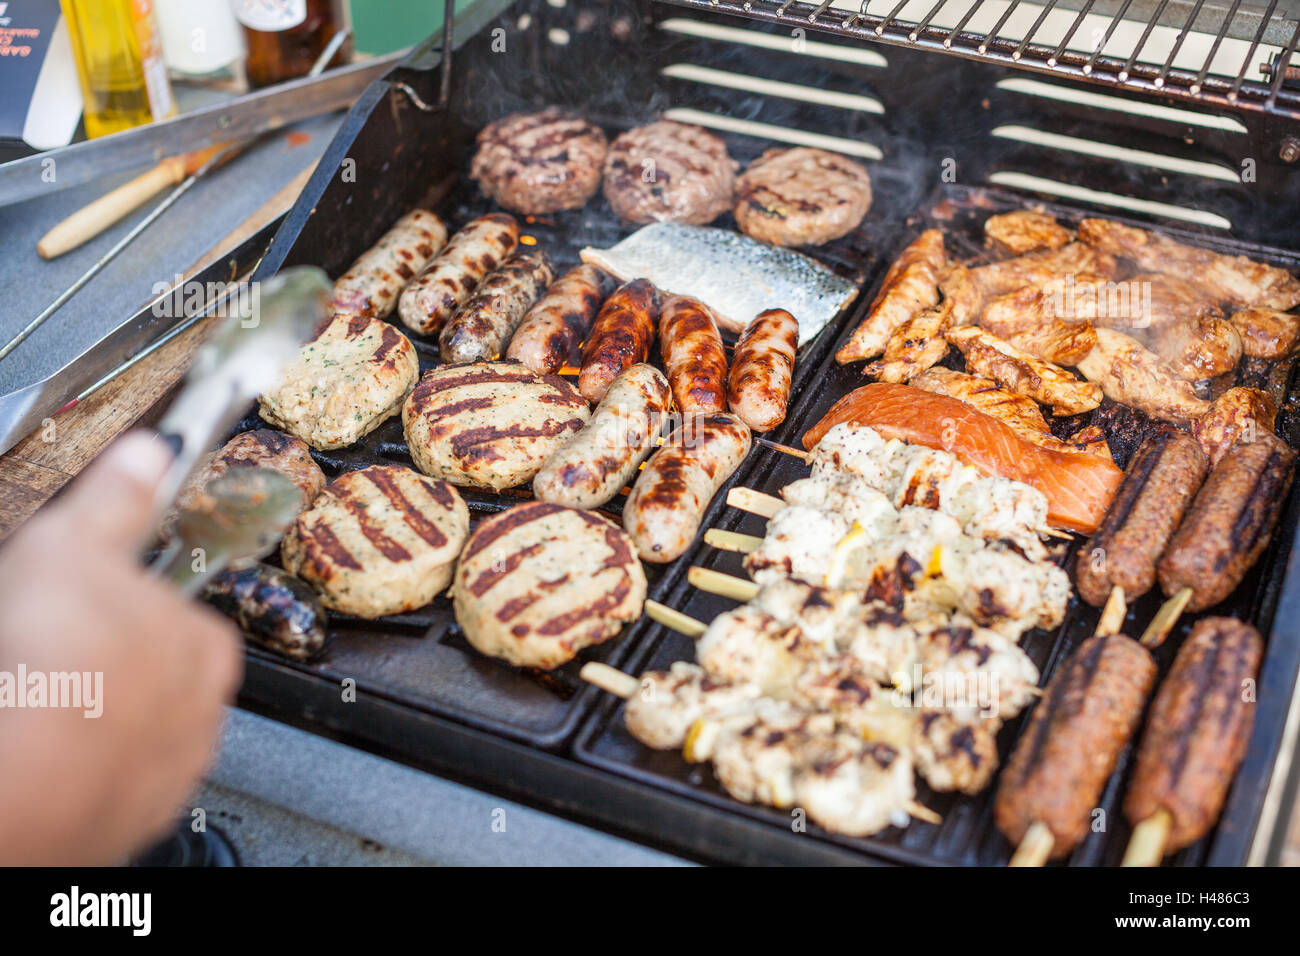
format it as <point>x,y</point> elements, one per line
<point>1079,488</point>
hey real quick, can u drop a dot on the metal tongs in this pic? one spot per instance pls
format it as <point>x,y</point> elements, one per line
<point>242,513</point>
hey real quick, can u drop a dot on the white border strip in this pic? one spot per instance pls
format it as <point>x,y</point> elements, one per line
<point>1066,190</point>
<point>1119,104</point>
<point>756,84</point>
<point>1140,157</point>
<point>783,134</point>
<point>772,41</point>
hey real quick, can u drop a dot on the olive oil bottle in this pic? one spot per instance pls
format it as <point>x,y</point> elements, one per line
<point>119,59</point>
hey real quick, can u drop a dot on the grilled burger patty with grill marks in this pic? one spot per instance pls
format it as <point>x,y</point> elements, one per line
<point>802,196</point>
<point>372,284</point>
<point>483,326</point>
<point>539,582</point>
<point>259,448</point>
<point>378,541</point>
<point>669,172</point>
<point>539,162</point>
<point>448,281</point>
<point>347,381</point>
<point>489,424</point>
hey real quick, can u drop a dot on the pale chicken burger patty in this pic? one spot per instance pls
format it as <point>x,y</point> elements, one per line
<point>378,541</point>
<point>802,196</point>
<point>669,172</point>
<point>540,162</point>
<point>539,582</point>
<point>346,382</point>
<point>489,424</point>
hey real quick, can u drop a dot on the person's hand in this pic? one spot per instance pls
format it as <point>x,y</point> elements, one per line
<point>73,598</point>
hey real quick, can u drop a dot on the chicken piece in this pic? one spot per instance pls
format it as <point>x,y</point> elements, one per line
<point>1049,384</point>
<point>1025,230</point>
<point>952,754</point>
<point>1233,279</point>
<point>1131,374</point>
<point>1239,413</point>
<point>915,346</point>
<point>962,292</point>
<point>668,703</point>
<point>1198,350</point>
<point>1019,413</point>
<point>1267,333</point>
<point>1073,259</point>
<point>1151,300</point>
<point>983,675</point>
<point>1050,319</point>
<point>912,284</point>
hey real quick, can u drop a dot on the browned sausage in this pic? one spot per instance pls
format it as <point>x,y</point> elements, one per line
<point>620,337</point>
<point>1230,522</point>
<point>1062,761</point>
<point>1198,730</point>
<point>693,356</point>
<point>480,329</point>
<point>667,503</point>
<point>1158,487</point>
<point>553,327</point>
<point>448,281</point>
<point>758,389</point>
<point>372,284</point>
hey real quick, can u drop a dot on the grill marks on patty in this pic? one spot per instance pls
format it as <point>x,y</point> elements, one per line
<point>489,424</point>
<point>539,162</point>
<point>669,171</point>
<point>539,582</point>
<point>802,196</point>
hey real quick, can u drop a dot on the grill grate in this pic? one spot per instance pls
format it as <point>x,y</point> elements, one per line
<point>1122,53</point>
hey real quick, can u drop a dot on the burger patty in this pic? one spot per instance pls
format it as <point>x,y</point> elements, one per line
<point>539,582</point>
<point>378,541</point>
<point>346,382</point>
<point>489,424</point>
<point>802,196</point>
<point>539,162</point>
<point>260,448</point>
<point>669,172</point>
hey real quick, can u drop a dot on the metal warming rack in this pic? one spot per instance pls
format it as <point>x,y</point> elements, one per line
<point>1208,49</point>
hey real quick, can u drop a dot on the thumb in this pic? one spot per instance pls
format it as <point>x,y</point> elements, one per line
<point>112,500</point>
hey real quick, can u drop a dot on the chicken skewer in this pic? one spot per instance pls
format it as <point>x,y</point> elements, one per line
<point>806,759</point>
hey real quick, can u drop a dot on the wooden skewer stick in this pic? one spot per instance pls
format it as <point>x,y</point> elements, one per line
<point>670,617</point>
<point>755,502</point>
<point>786,449</point>
<point>624,685</point>
<point>1166,618</point>
<point>1036,845</point>
<point>1147,845</point>
<point>732,541</point>
<point>726,585</point>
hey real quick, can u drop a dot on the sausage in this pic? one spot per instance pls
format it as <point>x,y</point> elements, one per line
<point>1061,763</point>
<point>1158,487</point>
<point>596,463</point>
<point>271,607</point>
<point>554,326</point>
<point>481,328</point>
<point>667,503</point>
<point>1230,522</point>
<point>693,356</point>
<point>1197,733</point>
<point>621,336</point>
<point>447,282</point>
<point>372,284</point>
<point>758,389</point>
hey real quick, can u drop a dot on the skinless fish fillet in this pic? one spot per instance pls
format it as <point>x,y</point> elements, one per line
<point>734,275</point>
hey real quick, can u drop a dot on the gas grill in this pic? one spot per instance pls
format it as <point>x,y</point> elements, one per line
<point>1181,116</point>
